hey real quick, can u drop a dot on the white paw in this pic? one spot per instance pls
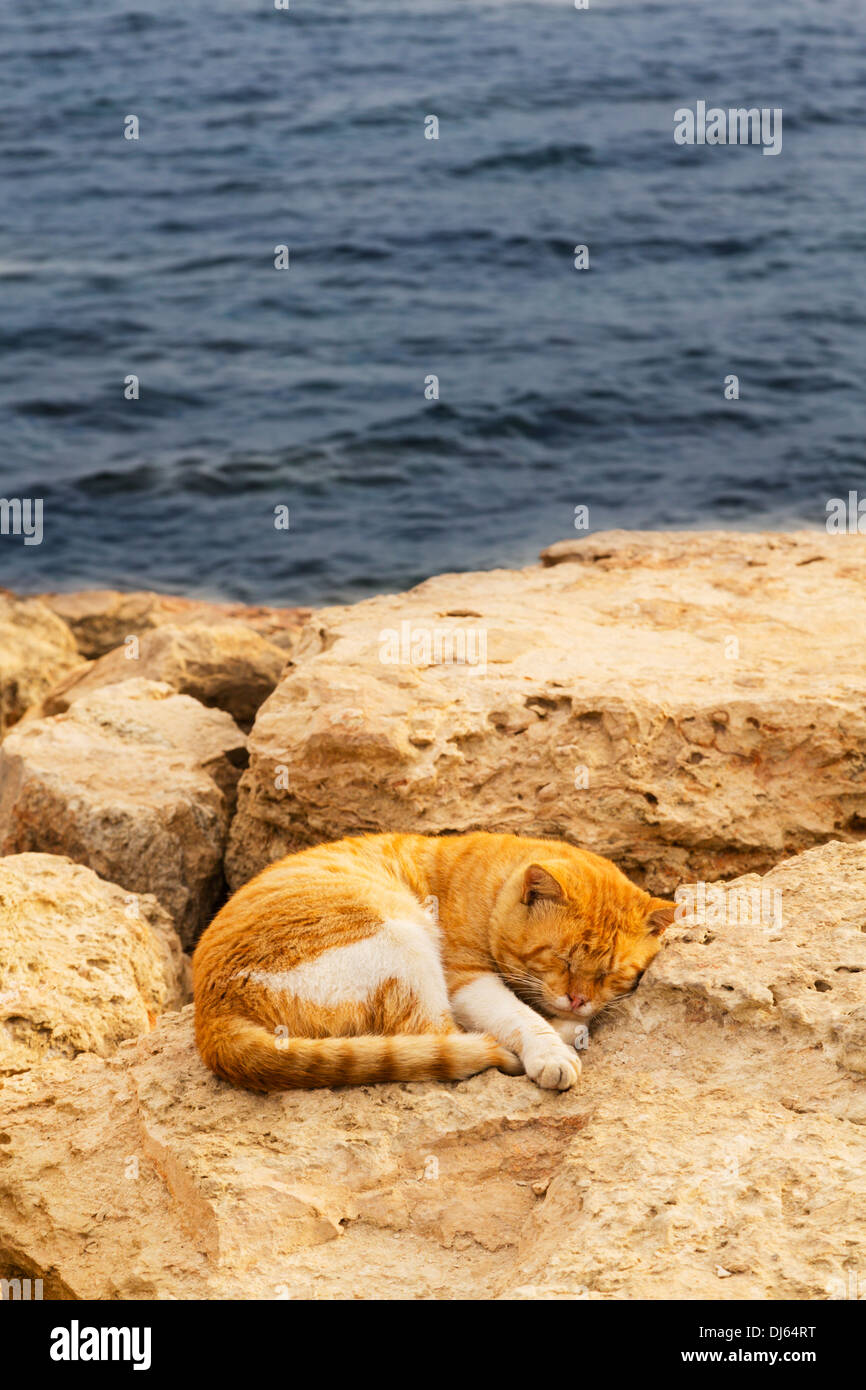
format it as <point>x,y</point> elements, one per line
<point>552,1066</point>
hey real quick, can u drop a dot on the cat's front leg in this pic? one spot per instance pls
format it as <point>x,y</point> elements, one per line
<point>571,1031</point>
<point>487,1004</point>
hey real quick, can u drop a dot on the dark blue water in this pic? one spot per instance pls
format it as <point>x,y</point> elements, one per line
<point>409,257</point>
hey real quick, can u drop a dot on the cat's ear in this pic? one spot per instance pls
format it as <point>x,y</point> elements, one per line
<point>538,883</point>
<point>661,915</point>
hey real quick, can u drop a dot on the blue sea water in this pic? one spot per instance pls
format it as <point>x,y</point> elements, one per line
<point>410,257</point>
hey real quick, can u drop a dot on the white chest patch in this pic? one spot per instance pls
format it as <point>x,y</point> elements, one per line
<point>402,950</point>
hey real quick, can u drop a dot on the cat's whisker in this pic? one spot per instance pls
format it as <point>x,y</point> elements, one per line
<point>526,984</point>
<point>616,1004</point>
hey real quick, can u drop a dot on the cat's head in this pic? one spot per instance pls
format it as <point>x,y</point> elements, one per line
<point>576,934</point>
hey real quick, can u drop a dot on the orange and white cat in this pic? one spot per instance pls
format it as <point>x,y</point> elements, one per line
<point>363,960</point>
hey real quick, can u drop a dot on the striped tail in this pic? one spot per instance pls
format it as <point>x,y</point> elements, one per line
<point>247,1054</point>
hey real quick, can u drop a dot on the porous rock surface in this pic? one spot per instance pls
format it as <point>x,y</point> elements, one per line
<point>692,705</point>
<point>102,619</point>
<point>714,1147</point>
<point>84,964</point>
<point>36,649</point>
<point>135,781</point>
<point>228,666</point>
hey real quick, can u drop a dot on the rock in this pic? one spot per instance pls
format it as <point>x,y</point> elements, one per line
<point>36,649</point>
<point>690,705</point>
<point>226,665</point>
<point>135,781</point>
<point>83,963</point>
<point>717,1126</point>
<point>102,619</point>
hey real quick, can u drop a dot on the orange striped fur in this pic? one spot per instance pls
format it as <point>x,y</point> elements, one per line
<point>410,957</point>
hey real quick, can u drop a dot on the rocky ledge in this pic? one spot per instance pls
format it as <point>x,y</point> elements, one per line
<point>692,705</point>
<point>715,1147</point>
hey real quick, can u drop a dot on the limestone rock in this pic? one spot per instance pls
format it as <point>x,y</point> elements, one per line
<point>718,1124</point>
<point>102,619</point>
<point>226,665</point>
<point>135,781</point>
<point>83,963</point>
<point>36,649</point>
<point>690,705</point>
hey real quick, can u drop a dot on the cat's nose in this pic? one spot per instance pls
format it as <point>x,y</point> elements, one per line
<point>578,1000</point>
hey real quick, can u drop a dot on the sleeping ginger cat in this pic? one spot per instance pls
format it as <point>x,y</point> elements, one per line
<point>330,968</point>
